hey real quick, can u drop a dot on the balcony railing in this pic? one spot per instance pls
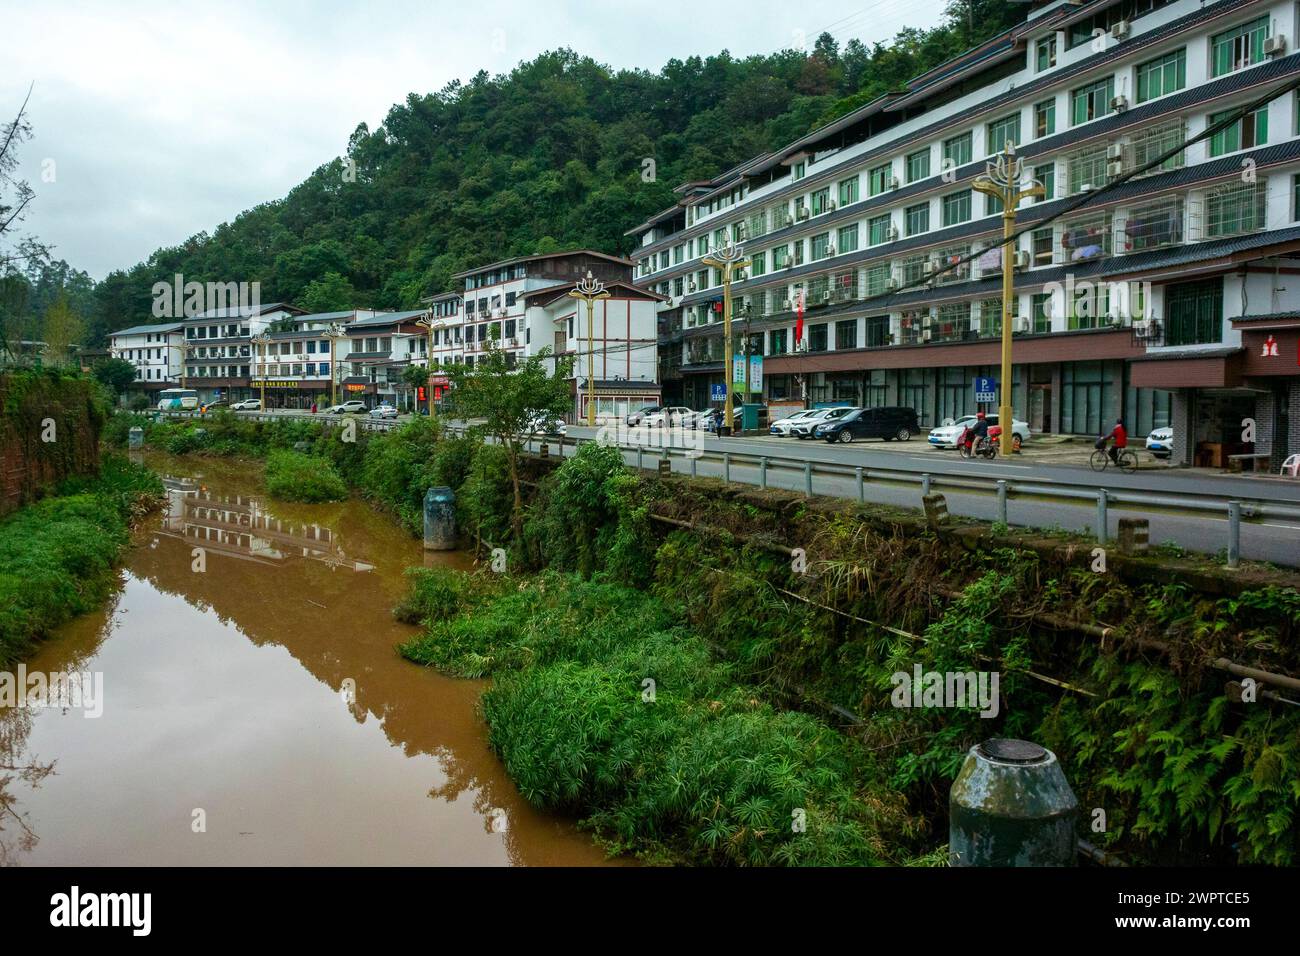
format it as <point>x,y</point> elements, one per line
<point>1155,225</point>
<point>1085,238</point>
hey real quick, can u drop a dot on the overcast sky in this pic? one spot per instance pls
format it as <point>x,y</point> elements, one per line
<point>163,119</point>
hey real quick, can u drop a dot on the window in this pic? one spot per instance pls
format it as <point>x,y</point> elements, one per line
<point>918,218</point>
<point>877,334</point>
<point>821,201</point>
<point>1194,312</point>
<point>1249,131</point>
<point>1045,54</point>
<point>957,151</point>
<point>918,165</point>
<point>1091,101</point>
<point>1238,48</point>
<point>1040,312</point>
<point>817,338</point>
<point>846,240</point>
<point>878,230</point>
<point>821,245</point>
<point>1002,131</point>
<point>1162,75</point>
<point>757,266</point>
<point>846,334</point>
<point>799,170</point>
<point>1235,209</point>
<point>880,179</point>
<point>993,205</point>
<point>1044,118</point>
<point>848,190</point>
<point>780,257</point>
<point>1046,174</point>
<point>956,208</point>
<point>878,280</point>
<point>777,341</point>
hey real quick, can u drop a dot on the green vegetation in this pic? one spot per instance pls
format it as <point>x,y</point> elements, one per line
<point>603,705</point>
<point>293,476</point>
<point>57,555</point>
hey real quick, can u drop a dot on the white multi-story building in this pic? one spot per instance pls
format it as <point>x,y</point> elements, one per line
<point>523,305</point>
<point>1151,300</point>
<point>155,351</point>
<point>219,349</point>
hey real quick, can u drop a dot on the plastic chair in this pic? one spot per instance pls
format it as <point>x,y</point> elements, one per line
<point>1291,466</point>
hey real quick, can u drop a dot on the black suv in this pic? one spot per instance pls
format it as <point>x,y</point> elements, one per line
<point>887,423</point>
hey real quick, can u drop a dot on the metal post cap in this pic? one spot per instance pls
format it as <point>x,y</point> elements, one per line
<point>1007,750</point>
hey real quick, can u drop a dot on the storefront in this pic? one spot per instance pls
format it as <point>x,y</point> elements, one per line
<point>1271,365</point>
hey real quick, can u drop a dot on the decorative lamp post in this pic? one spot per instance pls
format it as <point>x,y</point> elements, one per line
<point>589,290</point>
<point>427,322</point>
<point>727,259</point>
<point>334,333</point>
<point>262,341</point>
<point>1003,179</point>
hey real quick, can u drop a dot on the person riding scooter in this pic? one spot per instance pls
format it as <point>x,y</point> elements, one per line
<point>976,433</point>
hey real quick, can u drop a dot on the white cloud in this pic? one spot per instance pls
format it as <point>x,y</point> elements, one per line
<point>165,119</point>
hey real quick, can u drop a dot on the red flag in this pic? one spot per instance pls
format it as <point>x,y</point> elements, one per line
<point>798,322</point>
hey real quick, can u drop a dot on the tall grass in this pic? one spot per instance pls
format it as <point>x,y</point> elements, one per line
<point>57,555</point>
<point>605,706</point>
<point>293,476</point>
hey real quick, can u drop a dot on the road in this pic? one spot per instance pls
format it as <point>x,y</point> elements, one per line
<point>1274,540</point>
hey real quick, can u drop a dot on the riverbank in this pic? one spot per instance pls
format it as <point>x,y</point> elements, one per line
<point>58,555</point>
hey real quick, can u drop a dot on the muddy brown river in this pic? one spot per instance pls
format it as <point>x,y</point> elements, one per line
<point>254,708</point>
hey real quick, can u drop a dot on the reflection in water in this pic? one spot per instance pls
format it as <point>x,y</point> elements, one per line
<point>255,710</point>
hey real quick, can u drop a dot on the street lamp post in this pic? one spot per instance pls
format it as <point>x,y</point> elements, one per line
<point>589,290</point>
<point>1003,179</point>
<point>727,259</point>
<point>427,323</point>
<point>334,333</point>
<point>262,341</point>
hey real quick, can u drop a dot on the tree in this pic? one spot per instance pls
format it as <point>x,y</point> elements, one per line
<point>333,293</point>
<point>118,374</point>
<point>505,398</point>
<point>63,330</point>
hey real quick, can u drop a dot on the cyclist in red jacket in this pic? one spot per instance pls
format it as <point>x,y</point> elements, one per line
<point>1119,438</point>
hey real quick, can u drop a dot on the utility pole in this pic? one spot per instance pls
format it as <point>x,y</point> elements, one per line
<point>1003,180</point>
<point>334,333</point>
<point>262,341</point>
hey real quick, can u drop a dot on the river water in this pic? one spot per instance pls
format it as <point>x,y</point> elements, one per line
<point>254,708</point>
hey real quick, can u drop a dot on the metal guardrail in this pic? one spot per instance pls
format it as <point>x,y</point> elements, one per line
<point>1234,509</point>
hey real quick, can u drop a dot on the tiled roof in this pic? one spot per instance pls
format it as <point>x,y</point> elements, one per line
<point>150,329</point>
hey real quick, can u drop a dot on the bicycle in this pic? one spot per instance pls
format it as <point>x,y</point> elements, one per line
<point>1125,460</point>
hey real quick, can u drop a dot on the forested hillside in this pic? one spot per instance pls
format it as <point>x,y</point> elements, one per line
<point>548,156</point>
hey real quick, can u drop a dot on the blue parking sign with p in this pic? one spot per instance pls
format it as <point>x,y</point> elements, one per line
<point>718,392</point>
<point>986,390</point>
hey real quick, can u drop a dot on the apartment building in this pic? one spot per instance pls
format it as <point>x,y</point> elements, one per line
<point>379,348</point>
<point>1144,302</point>
<point>293,366</point>
<point>219,348</point>
<point>156,351</point>
<point>522,305</point>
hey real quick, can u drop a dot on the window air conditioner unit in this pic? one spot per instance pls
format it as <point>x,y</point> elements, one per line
<point>514,343</point>
<point>1274,45</point>
<point>925,335</point>
<point>740,231</point>
<point>826,296</point>
<point>1021,259</point>
<point>930,267</point>
<point>802,214</point>
<point>891,285</point>
<point>741,275</point>
<point>830,206</point>
<point>787,305</point>
<point>1115,167</point>
<point>1119,104</point>
<point>690,287</point>
<point>1115,151</point>
<point>830,249</point>
<point>926,322</point>
<point>891,233</point>
<point>1121,29</point>
<point>893,182</point>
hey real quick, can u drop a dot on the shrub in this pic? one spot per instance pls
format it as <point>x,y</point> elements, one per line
<point>293,476</point>
<point>398,468</point>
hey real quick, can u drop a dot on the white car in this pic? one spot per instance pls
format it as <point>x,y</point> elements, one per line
<point>782,426</point>
<point>668,415</point>
<point>1161,442</point>
<point>690,419</point>
<point>805,426</point>
<point>383,411</point>
<point>247,405</point>
<point>947,436</point>
<point>638,416</point>
<point>544,424</point>
<point>353,407</point>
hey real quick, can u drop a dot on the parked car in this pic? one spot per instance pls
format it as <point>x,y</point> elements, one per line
<point>688,420</point>
<point>668,415</point>
<point>247,405</point>
<point>947,436</point>
<point>781,427</point>
<point>1161,442</point>
<point>804,427</point>
<point>636,417</point>
<point>543,424</point>
<point>383,410</point>
<point>888,423</point>
<point>353,406</point>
